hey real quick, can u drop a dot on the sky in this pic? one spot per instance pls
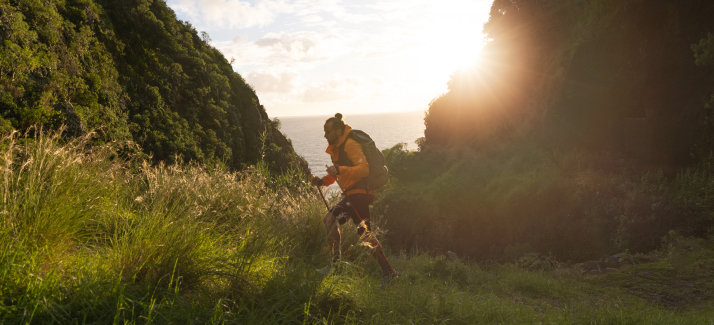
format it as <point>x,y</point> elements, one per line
<point>319,57</point>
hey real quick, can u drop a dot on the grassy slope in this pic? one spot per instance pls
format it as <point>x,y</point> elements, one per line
<point>89,239</point>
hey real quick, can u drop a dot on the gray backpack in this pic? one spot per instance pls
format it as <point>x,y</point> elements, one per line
<point>378,173</point>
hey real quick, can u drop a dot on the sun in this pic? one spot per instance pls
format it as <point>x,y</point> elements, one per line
<point>451,38</point>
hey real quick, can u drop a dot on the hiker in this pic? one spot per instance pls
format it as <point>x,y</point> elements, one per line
<point>350,168</point>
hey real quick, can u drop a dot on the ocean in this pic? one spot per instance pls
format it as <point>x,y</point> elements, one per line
<point>386,129</point>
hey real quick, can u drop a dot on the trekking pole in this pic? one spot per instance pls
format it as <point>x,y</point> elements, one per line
<point>353,261</point>
<point>347,247</point>
<point>376,241</point>
<point>323,197</point>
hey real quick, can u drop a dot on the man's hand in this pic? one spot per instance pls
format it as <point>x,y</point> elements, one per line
<point>316,181</point>
<point>332,171</point>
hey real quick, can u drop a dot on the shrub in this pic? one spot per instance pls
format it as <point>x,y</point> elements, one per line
<point>570,204</point>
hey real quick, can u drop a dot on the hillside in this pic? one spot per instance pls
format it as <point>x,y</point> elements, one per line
<point>566,179</point>
<point>631,77</point>
<point>85,239</point>
<point>583,130</point>
<point>135,72</point>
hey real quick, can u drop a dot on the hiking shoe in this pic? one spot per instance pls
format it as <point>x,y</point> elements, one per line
<point>388,279</point>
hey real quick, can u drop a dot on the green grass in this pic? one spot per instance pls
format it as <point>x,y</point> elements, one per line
<point>88,238</point>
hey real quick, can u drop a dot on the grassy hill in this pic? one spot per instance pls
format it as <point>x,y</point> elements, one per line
<point>90,239</point>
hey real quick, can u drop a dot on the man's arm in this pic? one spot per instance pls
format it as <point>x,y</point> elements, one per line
<point>327,180</point>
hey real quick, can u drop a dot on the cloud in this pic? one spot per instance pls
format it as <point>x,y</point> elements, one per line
<point>272,82</point>
<point>230,13</point>
<point>336,88</point>
<point>311,19</point>
<point>299,46</point>
<point>338,45</point>
<point>239,39</point>
<point>268,41</point>
<point>246,13</point>
<point>280,50</point>
<point>350,13</point>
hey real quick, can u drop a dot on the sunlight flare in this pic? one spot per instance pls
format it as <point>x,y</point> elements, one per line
<point>452,38</point>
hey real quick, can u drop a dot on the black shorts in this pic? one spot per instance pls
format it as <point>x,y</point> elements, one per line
<point>357,210</point>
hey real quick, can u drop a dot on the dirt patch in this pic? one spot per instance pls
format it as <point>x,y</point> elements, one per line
<point>686,285</point>
<point>673,295</point>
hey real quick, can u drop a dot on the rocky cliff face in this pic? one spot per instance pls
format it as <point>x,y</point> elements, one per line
<point>131,69</point>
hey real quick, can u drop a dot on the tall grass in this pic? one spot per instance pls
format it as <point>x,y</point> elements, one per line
<point>81,225</point>
<point>89,237</point>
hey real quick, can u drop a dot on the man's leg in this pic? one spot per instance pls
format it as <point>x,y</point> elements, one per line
<point>360,204</point>
<point>388,274</point>
<point>382,260</point>
<point>333,236</point>
<point>377,249</point>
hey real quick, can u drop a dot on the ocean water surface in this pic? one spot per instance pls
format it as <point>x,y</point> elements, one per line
<point>386,129</point>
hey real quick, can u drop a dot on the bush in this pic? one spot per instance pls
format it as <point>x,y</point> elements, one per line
<point>570,204</point>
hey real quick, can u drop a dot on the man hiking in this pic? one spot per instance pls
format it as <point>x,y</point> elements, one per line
<point>350,168</point>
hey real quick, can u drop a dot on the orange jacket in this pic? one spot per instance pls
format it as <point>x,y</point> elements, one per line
<point>348,176</point>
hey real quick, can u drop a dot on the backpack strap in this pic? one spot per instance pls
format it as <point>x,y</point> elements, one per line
<point>344,160</point>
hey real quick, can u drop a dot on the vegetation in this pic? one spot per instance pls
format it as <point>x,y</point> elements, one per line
<point>131,69</point>
<point>88,238</point>
<point>584,131</point>
<point>502,203</point>
<point>600,75</point>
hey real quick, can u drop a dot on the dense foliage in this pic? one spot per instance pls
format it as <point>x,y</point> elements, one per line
<point>613,75</point>
<point>135,71</point>
<point>499,204</point>
<point>585,129</point>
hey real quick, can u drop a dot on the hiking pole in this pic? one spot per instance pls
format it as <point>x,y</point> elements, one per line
<point>376,241</point>
<point>323,197</point>
<point>347,247</point>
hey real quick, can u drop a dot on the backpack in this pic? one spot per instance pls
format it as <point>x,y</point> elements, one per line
<point>378,173</point>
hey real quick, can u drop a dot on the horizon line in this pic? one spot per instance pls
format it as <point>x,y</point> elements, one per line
<point>344,114</point>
